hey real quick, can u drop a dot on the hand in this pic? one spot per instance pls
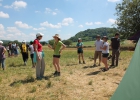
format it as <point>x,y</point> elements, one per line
<point>39,58</point>
<point>60,51</point>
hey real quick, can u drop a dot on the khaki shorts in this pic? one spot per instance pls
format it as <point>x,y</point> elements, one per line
<point>98,54</point>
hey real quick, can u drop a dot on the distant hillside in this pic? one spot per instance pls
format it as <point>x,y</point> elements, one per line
<point>90,34</point>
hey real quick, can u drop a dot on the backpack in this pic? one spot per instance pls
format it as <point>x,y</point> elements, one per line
<point>24,48</point>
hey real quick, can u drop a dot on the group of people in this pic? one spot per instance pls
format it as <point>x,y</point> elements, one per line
<point>37,53</point>
<point>12,49</point>
<point>102,51</point>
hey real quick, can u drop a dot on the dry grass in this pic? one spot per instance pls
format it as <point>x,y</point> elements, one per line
<point>77,82</point>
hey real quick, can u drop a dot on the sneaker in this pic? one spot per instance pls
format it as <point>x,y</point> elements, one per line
<point>79,62</point>
<point>84,62</point>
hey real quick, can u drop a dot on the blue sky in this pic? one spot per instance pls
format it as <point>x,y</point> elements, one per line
<point>22,19</point>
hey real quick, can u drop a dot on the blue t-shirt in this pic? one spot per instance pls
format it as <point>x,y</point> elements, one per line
<point>80,44</point>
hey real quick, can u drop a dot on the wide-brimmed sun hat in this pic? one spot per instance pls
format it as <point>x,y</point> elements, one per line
<point>39,34</point>
<point>1,42</point>
<point>57,36</point>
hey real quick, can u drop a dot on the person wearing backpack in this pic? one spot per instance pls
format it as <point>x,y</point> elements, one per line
<point>24,52</point>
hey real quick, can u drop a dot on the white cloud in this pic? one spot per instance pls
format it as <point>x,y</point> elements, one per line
<point>17,5</point>
<point>81,26</point>
<point>39,29</point>
<point>46,24</point>
<point>51,11</point>
<point>2,31</point>
<point>112,21</point>
<point>7,6</point>
<point>48,10</point>
<point>67,21</point>
<point>54,13</point>
<point>89,23</point>
<point>37,11</point>
<point>1,0</point>
<point>4,15</point>
<point>0,4</point>
<point>13,30</point>
<point>58,30</point>
<point>22,25</point>
<point>113,0</point>
<point>98,23</point>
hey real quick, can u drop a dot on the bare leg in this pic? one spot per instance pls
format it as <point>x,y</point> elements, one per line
<point>54,63</point>
<point>57,64</point>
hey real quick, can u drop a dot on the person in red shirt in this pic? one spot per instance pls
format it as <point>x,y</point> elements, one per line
<point>40,64</point>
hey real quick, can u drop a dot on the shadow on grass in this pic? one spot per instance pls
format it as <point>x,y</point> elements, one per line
<point>71,64</point>
<point>48,77</point>
<point>94,73</point>
<point>85,67</point>
<point>29,79</point>
<point>15,65</point>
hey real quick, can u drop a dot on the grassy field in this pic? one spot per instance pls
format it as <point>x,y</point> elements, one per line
<point>125,43</point>
<point>77,81</point>
<point>89,43</point>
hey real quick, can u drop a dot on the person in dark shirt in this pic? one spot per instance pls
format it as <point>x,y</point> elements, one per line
<point>115,46</point>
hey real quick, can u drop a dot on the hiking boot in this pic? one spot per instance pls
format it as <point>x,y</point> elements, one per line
<point>79,62</point>
<point>94,65</point>
<point>58,74</point>
<point>55,73</point>
<point>39,78</point>
<point>84,62</point>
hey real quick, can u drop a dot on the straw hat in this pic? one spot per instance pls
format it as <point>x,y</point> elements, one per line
<point>57,35</point>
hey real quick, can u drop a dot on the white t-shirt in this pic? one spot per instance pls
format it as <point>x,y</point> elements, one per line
<point>31,49</point>
<point>107,47</point>
<point>98,44</point>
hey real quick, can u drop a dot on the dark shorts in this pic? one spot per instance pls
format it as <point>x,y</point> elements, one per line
<point>79,51</point>
<point>105,55</point>
<point>32,55</point>
<point>56,56</point>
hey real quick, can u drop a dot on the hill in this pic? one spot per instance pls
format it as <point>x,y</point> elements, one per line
<point>90,34</point>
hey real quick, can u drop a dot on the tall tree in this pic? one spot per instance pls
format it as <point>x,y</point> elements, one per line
<point>128,21</point>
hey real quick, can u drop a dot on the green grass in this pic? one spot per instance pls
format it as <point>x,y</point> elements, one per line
<point>18,82</point>
<point>88,43</point>
<point>125,43</point>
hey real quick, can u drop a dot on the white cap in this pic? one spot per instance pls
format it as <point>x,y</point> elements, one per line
<point>39,34</point>
<point>24,41</point>
<point>1,42</point>
<point>79,39</point>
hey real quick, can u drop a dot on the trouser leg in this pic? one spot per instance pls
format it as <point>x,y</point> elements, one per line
<point>113,56</point>
<point>117,57</point>
<point>42,67</point>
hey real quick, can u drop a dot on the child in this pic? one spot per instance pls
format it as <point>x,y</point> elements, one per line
<point>80,50</point>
